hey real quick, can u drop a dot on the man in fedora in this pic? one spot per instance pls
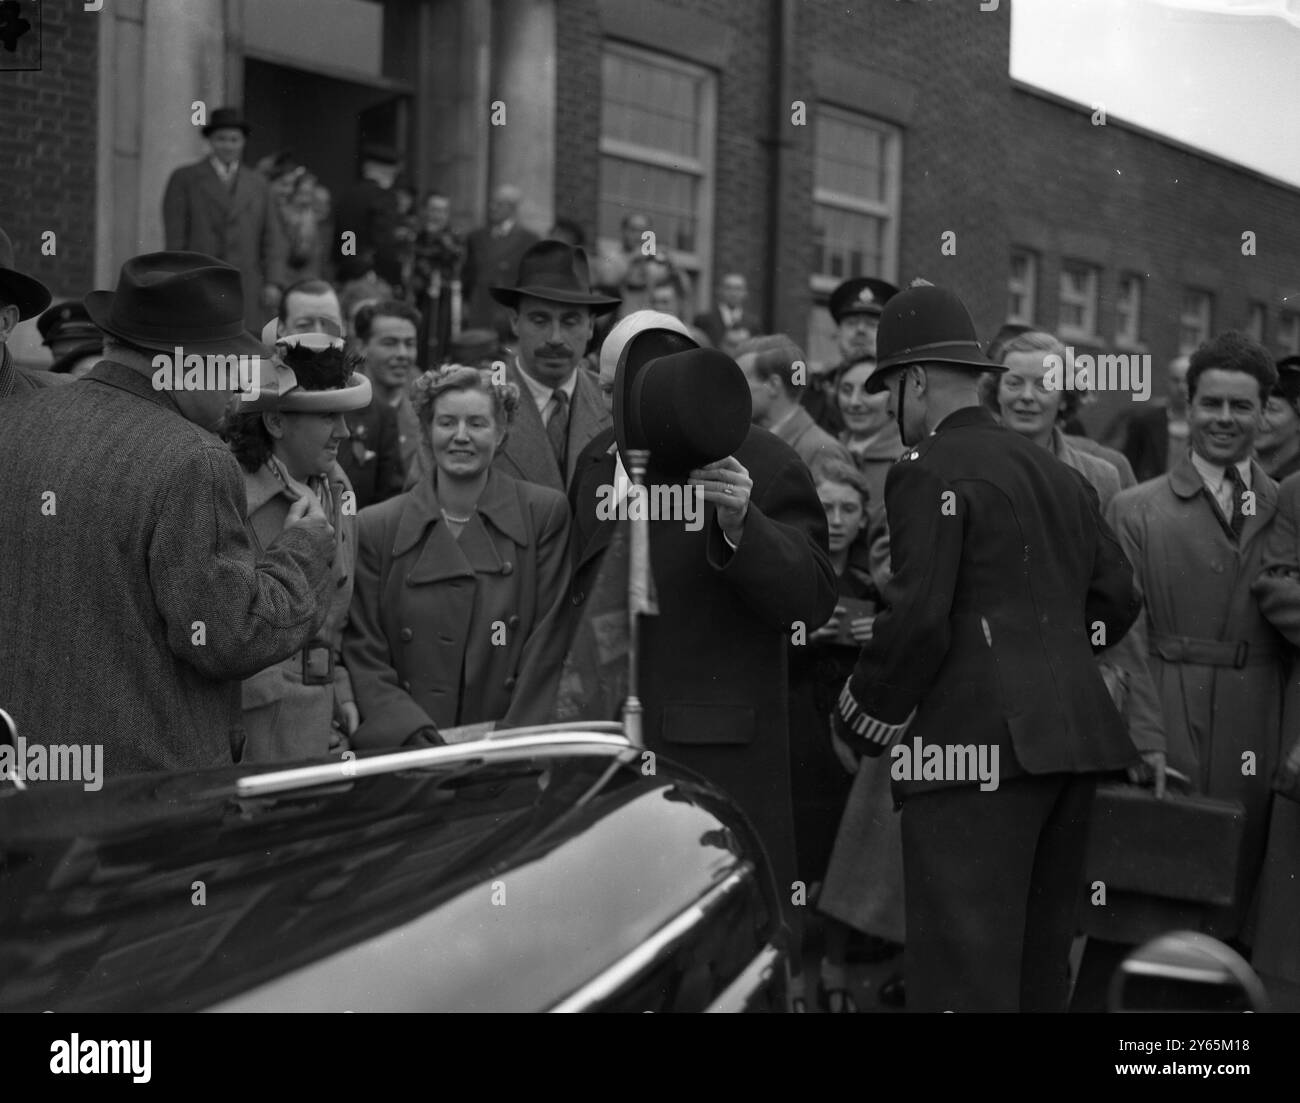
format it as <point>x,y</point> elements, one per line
<point>980,674</point>
<point>369,210</point>
<point>132,602</point>
<point>218,207</point>
<point>552,313</point>
<point>21,297</point>
<point>733,591</point>
<point>855,306</point>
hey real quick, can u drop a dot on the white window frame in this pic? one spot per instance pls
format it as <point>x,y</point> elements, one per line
<point>1256,320</point>
<point>699,264</point>
<point>1088,301</point>
<point>1202,320</point>
<point>888,209</point>
<point>1027,288</point>
<point>1288,333</point>
<point>1128,309</point>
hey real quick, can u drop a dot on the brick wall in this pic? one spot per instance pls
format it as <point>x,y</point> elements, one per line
<point>47,150</point>
<point>953,146</point>
<point>1127,201</point>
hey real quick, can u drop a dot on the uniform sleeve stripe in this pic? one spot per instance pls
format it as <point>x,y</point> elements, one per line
<point>867,727</point>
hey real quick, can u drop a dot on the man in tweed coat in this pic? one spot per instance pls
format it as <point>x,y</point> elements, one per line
<point>131,603</point>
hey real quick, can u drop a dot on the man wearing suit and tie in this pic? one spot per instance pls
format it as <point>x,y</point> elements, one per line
<point>218,207</point>
<point>729,312</point>
<point>1005,578</point>
<point>552,313</point>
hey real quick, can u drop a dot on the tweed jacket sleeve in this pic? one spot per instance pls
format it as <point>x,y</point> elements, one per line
<point>781,566</point>
<point>227,613</point>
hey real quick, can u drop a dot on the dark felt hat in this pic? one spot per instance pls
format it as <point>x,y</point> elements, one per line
<point>67,322</point>
<point>687,405</point>
<point>170,299</point>
<point>1288,380</point>
<point>470,346</point>
<point>29,295</point>
<point>223,118</point>
<point>926,325</point>
<point>861,295</point>
<point>557,272</point>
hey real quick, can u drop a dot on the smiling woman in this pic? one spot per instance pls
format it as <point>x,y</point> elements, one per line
<point>452,576</point>
<point>286,434</point>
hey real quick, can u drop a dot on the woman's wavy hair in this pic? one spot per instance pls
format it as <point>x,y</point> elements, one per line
<point>432,385</point>
<point>324,370</point>
<point>1024,340</point>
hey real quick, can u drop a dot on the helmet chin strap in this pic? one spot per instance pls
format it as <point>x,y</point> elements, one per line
<point>898,410</point>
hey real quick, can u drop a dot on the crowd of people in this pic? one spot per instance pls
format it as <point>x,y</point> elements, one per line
<point>394,529</point>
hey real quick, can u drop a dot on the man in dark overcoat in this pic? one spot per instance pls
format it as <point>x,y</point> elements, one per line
<point>732,592</point>
<point>223,208</point>
<point>1005,580</point>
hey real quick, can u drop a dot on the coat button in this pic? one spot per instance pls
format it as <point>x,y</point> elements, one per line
<point>510,682</point>
<point>405,635</point>
<point>578,597</point>
<point>513,622</point>
<point>507,567</point>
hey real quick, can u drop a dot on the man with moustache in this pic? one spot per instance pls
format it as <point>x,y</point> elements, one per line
<point>387,335</point>
<point>132,602</point>
<point>372,456</point>
<point>552,313</point>
<point>1196,537</point>
<point>855,306</point>
<point>1003,573</point>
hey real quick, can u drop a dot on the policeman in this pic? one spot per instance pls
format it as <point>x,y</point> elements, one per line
<point>855,305</point>
<point>980,677</point>
<point>74,341</point>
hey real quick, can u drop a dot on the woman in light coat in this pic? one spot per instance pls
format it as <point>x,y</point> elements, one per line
<point>286,439</point>
<point>453,575</point>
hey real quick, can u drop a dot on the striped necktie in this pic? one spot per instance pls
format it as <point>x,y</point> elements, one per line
<point>1236,519</point>
<point>557,429</point>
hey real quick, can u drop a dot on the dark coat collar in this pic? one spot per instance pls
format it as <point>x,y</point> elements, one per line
<point>498,504</point>
<point>967,415</point>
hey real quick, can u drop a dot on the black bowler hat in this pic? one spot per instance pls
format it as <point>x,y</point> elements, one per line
<point>168,299</point>
<point>862,295</point>
<point>29,295</point>
<point>226,117</point>
<point>67,322</point>
<point>385,155</point>
<point>926,325</point>
<point>557,272</point>
<point>687,408</point>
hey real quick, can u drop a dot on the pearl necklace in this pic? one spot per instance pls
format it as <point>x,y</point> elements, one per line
<point>458,520</point>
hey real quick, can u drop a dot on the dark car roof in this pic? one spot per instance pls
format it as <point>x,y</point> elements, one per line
<point>491,881</point>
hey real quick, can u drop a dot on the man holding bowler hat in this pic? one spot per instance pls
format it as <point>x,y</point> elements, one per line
<point>1005,582</point>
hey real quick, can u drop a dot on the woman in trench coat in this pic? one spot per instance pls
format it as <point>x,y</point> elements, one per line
<point>452,576</point>
<point>286,439</point>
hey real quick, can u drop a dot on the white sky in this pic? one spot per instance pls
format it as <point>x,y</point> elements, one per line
<point>1222,75</point>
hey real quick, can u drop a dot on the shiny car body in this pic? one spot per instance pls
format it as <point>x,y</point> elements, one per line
<point>540,869</point>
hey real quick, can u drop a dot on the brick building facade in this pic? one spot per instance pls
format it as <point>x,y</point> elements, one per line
<point>795,141</point>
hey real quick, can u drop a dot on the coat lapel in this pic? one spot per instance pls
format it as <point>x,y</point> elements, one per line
<point>589,417</point>
<point>527,449</point>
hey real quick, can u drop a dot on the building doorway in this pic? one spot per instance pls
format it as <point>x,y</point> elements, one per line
<point>323,120</point>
